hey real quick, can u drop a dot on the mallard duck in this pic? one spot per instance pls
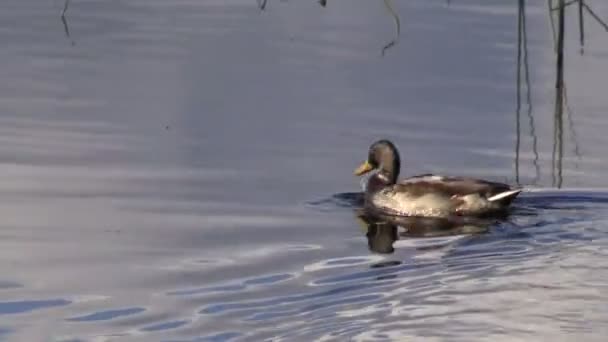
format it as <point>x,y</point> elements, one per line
<point>427,195</point>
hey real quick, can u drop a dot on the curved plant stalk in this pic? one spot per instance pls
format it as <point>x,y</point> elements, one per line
<point>64,20</point>
<point>388,4</point>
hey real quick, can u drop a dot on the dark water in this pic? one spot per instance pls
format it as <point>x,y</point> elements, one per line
<point>181,170</point>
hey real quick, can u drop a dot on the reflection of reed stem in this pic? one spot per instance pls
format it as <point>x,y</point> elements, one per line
<point>582,5</point>
<point>64,20</point>
<point>65,7</point>
<point>518,94</point>
<point>559,92</point>
<point>389,6</point>
<point>595,16</point>
<point>391,10</point>
<point>262,4</point>
<point>569,115</point>
<point>560,139</point>
<point>529,93</point>
<point>581,25</point>
<point>560,48</point>
<point>552,21</point>
<point>522,63</point>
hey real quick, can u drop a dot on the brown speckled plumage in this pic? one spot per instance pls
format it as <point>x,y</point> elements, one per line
<point>428,195</point>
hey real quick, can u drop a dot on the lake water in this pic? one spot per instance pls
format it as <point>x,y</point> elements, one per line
<point>182,171</point>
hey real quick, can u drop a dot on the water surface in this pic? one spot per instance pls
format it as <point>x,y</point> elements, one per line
<point>182,171</point>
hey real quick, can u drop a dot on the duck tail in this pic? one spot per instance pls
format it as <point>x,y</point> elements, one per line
<point>505,197</point>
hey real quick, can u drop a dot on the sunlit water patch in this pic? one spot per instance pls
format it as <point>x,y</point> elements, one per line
<point>391,295</point>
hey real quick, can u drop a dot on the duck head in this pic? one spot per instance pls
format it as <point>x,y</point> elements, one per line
<point>384,157</point>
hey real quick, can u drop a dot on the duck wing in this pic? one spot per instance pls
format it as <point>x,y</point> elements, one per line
<point>457,187</point>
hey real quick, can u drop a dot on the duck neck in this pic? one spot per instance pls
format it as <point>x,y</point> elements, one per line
<point>390,165</point>
<point>379,181</point>
<point>390,172</point>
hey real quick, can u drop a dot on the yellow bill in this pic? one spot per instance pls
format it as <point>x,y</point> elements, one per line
<point>364,168</point>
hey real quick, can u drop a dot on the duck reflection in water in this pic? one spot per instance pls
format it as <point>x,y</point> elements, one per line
<point>383,230</point>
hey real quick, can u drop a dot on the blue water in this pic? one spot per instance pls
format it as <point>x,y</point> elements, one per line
<point>182,171</point>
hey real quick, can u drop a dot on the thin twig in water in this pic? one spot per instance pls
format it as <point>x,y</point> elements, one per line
<point>389,7</point>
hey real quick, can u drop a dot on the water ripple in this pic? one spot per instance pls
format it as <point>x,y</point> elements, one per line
<point>218,337</point>
<point>157,166</point>
<point>5,285</point>
<point>107,315</point>
<point>273,302</point>
<point>165,326</point>
<point>343,262</point>
<point>259,281</point>
<point>17,307</point>
<point>376,273</point>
